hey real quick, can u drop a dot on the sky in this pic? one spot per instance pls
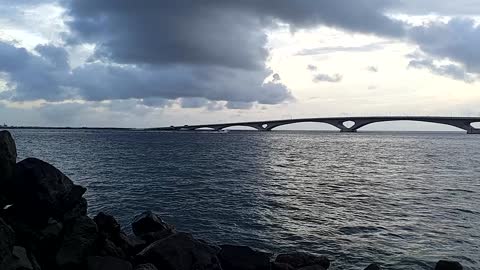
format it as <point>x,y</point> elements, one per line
<point>123,63</point>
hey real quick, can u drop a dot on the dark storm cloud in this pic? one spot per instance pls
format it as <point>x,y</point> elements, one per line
<point>327,78</point>
<point>210,49</point>
<point>46,76</point>
<point>457,40</point>
<point>228,32</point>
<point>32,77</point>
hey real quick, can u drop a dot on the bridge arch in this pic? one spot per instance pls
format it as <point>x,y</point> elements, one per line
<point>305,125</point>
<point>240,127</point>
<point>414,125</point>
<point>475,125</point>
<point>204,129</point>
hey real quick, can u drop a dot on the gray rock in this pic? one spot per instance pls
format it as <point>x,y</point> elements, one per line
<point>243,258</point>
<point>150,227</point>
<point>77,244</point>
<point>146,266</point>
<point>302,259</point>
<point>181,252</point>
<point>41,190</point>
<point>7,240</point>
<point>448,265</point>
<point>373,266</point>
<point>107,263</point>
<point>8,157</point>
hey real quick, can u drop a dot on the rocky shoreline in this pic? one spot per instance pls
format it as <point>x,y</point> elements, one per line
<point>44,225</point>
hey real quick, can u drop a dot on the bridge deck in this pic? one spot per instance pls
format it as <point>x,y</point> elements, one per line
<point>464,123</point>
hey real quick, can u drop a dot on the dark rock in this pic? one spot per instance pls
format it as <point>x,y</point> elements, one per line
<point>51,231</point>
<point>146,266</point>
<point>107,248</point>
<point>107,263</point>
<point>107,225</point>
<point>18,260</point>
<point>281,266</point>
<point>40,190</point>
<point>114,242</point>
<point>131,245</point>
<point>78,242</point>
<point>8,157</point>
<point>45,243</point>
<point>78,210</point>
<point>302,259</point>
<point>243,258</point>
<point>7,240</point>
<point>448,265</point>
<point>151,227</point>
<point>373,266</point>
<point>181,252</point>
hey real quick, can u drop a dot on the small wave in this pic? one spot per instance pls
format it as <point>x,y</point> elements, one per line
<point>349,230</point>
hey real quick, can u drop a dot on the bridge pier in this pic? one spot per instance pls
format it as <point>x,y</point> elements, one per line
<point>473,131</point>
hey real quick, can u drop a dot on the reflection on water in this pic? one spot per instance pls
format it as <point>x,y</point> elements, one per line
<point>402,199</point>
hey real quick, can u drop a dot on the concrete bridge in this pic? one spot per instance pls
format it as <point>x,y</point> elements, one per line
<point>344,124</point>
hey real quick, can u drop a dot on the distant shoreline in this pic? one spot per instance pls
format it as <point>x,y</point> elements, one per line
<point>87,128</point>
<point>202,131</point>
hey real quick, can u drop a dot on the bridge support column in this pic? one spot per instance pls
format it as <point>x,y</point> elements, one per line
<point>348,130</point>
<point>473,131</point>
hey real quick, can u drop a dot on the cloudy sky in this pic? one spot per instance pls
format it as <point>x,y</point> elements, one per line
<point>159,63</point>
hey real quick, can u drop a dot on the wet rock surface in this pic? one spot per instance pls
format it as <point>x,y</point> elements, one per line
<point>46,226</point>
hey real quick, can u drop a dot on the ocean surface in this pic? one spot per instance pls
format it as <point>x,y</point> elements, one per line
<point>402,199</point>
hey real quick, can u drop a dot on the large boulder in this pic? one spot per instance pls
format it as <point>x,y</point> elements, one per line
<point>181,252</point>
<point>107,263</point>
<point>448,265</point>
<point>150,227</point>
<point>78,242</point>
<point>303,259</point>
<point>7,240</point>
<point>8,156</point>
<point>40,190</point>
<point>243,258</point>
